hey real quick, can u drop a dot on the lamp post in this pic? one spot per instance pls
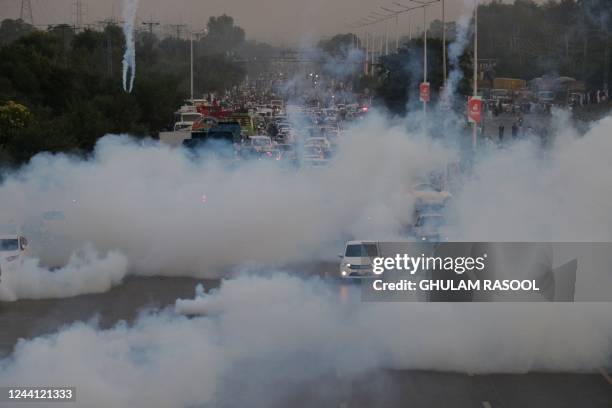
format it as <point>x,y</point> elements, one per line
<point>191,46</point>
<point>475,125</point>
<point>425,56</point>
<point>443,43</point>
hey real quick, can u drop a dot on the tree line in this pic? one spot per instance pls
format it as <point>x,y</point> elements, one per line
<point>61,90</point>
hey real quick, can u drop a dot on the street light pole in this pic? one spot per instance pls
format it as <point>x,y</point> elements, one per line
<point>367,51</point>
<point>395,13</point>
<point>425,55</point>
<point>396,32</point>
<point>191,43</point>
<point>387,37</point>
<point>443,43</point>
<point>409,27</point>
<point>475,125</point>
<point>373,49</point>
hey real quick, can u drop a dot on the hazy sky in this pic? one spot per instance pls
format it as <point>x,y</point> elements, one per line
<point>280,22</point>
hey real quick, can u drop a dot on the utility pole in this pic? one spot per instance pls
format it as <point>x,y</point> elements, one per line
<point>607,59</point>
<point>443,43</point>
<point>26,15</point>
<point>78,15</point>
<point>397,33</point>
<point>387,37</point>
<point>409,27</point>
<point>425,56</point>
<point>191,43</point>
<point>178,28</point>
<point>422,4</point>
<point>475,125</point>
<point>367,51</point>
<point>396,13</point>
<point>150,24</point>
<point>375,18</point>
<point>372,54</point>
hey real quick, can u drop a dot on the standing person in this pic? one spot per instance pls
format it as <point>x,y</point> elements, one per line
<point>515,130</point>
<point>501,133</point>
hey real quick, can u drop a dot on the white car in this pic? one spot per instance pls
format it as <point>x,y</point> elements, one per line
<point>321,142</point>
<point>315,156</point>
<point>13,250</point>
<point>357,259</point>
<point>428,195</point>
<point>261,143</point>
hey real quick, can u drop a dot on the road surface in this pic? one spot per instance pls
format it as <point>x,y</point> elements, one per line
<point>387,388</point>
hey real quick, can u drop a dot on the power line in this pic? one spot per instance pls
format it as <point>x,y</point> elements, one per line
<point>150,24</point>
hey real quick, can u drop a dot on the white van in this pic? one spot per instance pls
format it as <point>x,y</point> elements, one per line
<point>357,259</point>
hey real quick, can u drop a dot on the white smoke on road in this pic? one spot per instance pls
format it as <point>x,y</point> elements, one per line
<point>129,58</point>
<point>522,193</point>
<point>146,200</point>
<point>269,337</point>
<point>86,272</point>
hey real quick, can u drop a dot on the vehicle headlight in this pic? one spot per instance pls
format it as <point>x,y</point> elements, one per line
<point>347,265</point>
<point>12,258</point>
<point>343,273</point>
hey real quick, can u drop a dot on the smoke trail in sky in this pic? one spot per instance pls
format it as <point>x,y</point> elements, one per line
<point>455,51</point>
<point>129,58</point>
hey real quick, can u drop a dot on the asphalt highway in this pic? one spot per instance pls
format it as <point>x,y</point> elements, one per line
<point>388,388</point>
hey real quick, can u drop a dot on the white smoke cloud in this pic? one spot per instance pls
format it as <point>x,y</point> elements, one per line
<point>129,58</point>
<point>86,272</point>
<point>145,200</point>
<point>271,335</point>
<point>267,335</point>
<point>456,50</point>
<point>524,193</point>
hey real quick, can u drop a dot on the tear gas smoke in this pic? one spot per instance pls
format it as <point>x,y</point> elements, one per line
<point>129,58</point>
<point>268,336</point>
<point>144,199</point>
<point>86,272</point>
<point>524,194</point>
<point>455,51</point>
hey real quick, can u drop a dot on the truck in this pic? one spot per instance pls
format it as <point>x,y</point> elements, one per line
<point>505,89</point>
<point>557,90</point>
<point>247,124</point>
<point>511,84</point>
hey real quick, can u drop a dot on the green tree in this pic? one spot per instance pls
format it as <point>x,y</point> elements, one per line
<point>14,118</point>
<point>339,45</point>
<point>222,36</point>
<point>12,30</point>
